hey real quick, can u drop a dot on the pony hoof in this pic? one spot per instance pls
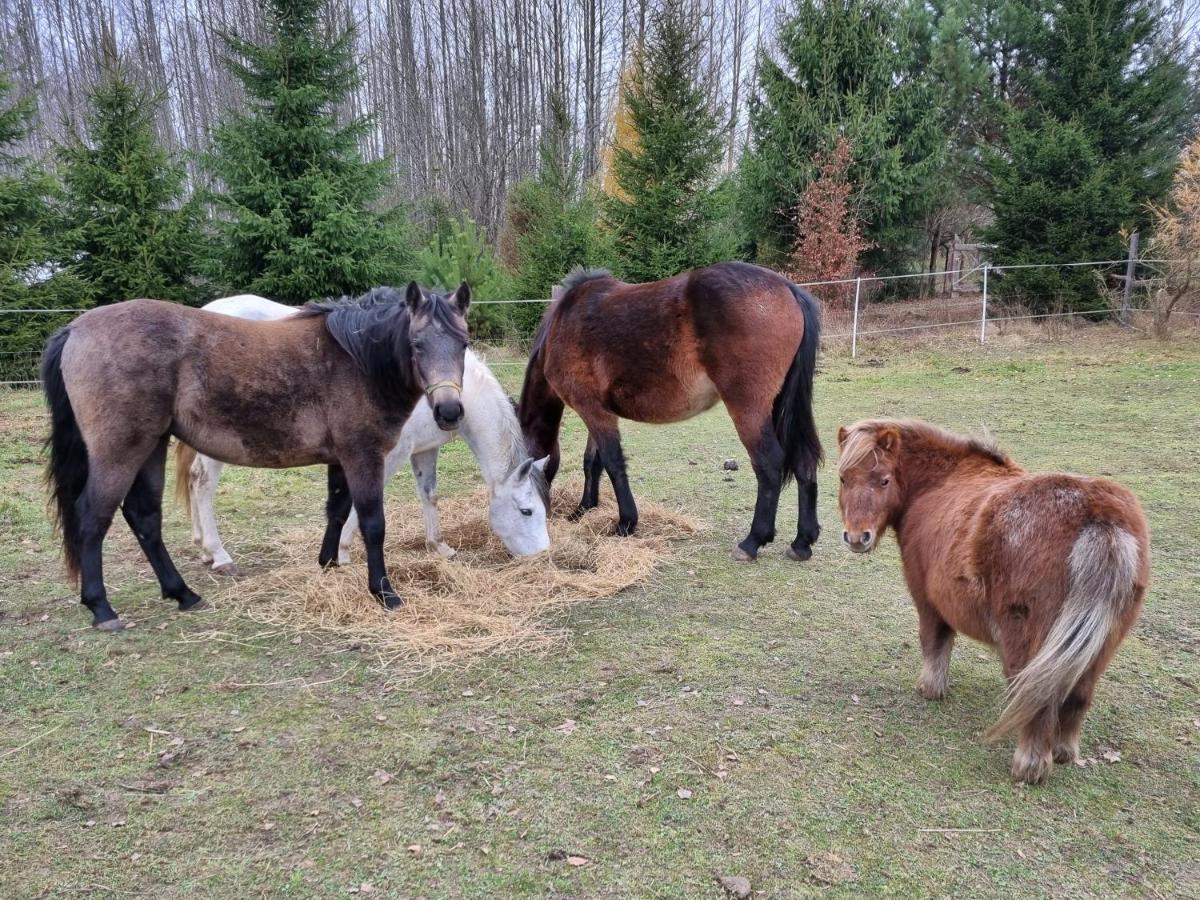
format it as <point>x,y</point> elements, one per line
<point>802,555</point>
<point>391,601</point>
<point>228,568</point>
<point>740,555</point>
<point>112,626</point>
<point>625,529</point>
<point>1065,753</point>
<point>192,605</point>
<point>1028,768</point>
<point>576,514</point>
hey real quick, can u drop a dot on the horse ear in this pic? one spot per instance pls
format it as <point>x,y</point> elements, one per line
<point>414,298</point>
<point>523,469</point>
<point>887,440</point>
<point>541,464</point>
<point>462,298</point>
<point>843,433</point>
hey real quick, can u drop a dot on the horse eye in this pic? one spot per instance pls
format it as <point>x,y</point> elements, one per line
<point>886,481</point>
<point>526,512</point>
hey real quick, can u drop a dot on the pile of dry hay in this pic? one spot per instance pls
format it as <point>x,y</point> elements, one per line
<point>480,602</point>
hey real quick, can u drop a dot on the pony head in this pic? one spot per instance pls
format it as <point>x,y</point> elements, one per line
<point>517,512</point>
<point>438,337</point>
<point>869,493</point>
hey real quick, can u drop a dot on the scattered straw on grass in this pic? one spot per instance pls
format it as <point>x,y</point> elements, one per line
<point>480,602</point>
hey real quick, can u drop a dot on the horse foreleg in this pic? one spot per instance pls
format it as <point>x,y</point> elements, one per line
<point>605,433</point>
<point>337,510</point>
<point>204,475</point>
<point>142,509</point>
<point>937,642</point>
<point>593,466</point>
<point>364,477</point>
<point>391,465</point>
<point>424,466</point>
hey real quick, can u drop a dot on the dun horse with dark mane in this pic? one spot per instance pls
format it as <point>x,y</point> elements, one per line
<point>332,385</point>
<point>1050,569</point>
<point>667,350</point>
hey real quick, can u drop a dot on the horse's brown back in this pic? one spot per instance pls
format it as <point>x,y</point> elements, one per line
<point>249,393</point>
<point>667,350</point>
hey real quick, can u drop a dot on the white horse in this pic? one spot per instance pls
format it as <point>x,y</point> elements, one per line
<point>518,491</point>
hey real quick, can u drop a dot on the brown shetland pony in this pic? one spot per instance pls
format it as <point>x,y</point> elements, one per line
<point>667,350</point>
<point>1050,569</point>
<point>332,385</point>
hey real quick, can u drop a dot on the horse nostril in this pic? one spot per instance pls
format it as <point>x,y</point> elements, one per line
<point>866,537</point>
<point>846,536</point>
<point>451,412</point>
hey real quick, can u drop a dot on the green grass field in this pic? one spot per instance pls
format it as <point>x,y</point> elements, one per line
<point>780,695</point>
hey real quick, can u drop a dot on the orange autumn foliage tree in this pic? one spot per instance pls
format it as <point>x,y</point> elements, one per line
<point>1177,240</point>
<point>829,237</point>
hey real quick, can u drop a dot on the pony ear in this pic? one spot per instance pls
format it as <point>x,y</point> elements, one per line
<point>843,433</point>
<point>523,469</point>
<point>462,298</point>
<point>887,440</point>
<point>414,298</point>
<point>541,464</point>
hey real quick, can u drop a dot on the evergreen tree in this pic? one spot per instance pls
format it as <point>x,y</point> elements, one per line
<point>458,251</point>
<point>1093,143</point>
<point>129,233</point>
<point>552,222</point>
<point>295,203</point>
<point>663,212</point>
<point>857,69</point>
<point>29,245</point>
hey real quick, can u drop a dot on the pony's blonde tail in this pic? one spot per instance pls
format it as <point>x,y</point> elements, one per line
<point>1102,569</point>
<point>184,457</point>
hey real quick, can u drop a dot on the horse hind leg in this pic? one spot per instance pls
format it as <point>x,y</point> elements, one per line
<point>937,642</point>
<point>593,467</point>
<point>142,509</point>
<point>808,528</point>
<point>204,474</point>
<point>766,458</point>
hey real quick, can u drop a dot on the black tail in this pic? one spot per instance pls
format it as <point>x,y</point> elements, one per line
<point>793,414</point>
<point>67,468</point>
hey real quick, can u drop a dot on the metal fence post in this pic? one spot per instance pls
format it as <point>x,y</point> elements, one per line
<point>1130,268</point>
<point>854,329</point>
<point>983,315</point>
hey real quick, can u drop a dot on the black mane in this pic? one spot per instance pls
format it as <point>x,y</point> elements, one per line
<point>373,330</point>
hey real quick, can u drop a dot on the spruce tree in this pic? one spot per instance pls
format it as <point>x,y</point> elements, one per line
<point>130,232</point>
<point>854,69</point>
<point>1091,146</point>
<point>29,244</point>
<point>663,210</point>
<point>552,221</point>
<point>295,203</point>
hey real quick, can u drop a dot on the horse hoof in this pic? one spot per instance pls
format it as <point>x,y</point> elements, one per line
<point>802,555</point>
<point>740,555</point>
<point>112,626</point>
<point>578,513</point>
<point>625,529</point>
<point>446,551</point>
<point>192,605</point>
<point>391,601</point>
<point>228,568</point>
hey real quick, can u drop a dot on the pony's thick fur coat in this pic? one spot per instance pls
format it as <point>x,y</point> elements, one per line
<point>1051,569</point>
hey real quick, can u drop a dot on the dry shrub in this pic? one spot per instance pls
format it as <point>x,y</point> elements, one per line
<point>1177,240</point>
<point>828,232</point>
<point>480,602</point>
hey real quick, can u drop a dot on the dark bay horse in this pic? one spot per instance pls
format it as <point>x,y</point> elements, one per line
<point>1050,569</point>
<point>332,385</point>
<point>668,350</point>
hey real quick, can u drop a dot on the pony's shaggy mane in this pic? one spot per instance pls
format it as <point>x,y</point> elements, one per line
<point>860,442</point>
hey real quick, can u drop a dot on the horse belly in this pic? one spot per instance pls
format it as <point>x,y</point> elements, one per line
<point>670,399</point>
